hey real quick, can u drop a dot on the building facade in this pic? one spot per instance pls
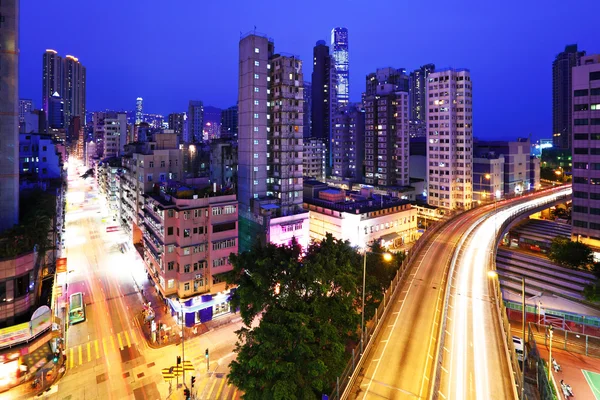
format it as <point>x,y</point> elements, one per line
<point>74,89</point>
<point>177,123</point>
<point>450,139</point>
<point>348,127</point>
<point>39,157</point>
<point>195,122</point>
<point>586,151</point>
<point>189,233</point>
<point>307,108</point>
<point>52,79</point>
<point>339,47</point>
<point>314,154</point>
<point>9,115</point>
<point>115,134</point>
<point>562,105</point>
<point>229,121</point>
<point>386,128</point>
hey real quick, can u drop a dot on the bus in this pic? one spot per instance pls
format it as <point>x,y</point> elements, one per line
<point>76,308</point>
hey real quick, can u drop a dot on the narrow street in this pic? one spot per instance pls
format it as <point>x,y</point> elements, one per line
<point>107,354</point>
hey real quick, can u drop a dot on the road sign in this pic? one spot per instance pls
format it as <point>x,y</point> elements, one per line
<point>61,265</point>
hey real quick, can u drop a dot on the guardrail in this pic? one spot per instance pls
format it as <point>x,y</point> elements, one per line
<point>497,293</point>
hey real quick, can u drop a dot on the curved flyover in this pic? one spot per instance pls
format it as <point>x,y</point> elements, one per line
<point>441,340</point>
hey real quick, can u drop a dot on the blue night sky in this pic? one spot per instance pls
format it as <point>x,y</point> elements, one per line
<point>169,52</point>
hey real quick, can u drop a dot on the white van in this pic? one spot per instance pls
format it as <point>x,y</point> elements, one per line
<point>519,347</point>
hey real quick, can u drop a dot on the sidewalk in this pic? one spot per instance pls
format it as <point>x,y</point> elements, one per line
<point>162,316</point>
<point>25,389</point>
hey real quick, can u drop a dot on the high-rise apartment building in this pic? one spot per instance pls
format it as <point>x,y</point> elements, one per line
<point>339,47</point>
<point>323,98</point>
<point>229,121</point>
<point>64,78</point>
<point>74,88</point>
<point>450,139</point>
<point>386,128</point>
<point>115,134</point>
<point>56,113</point>
<point>348,143</point>
<point>9,115</point>
<point>586,150</point>
<point>562,106</point>
<point>139,110</point>
<point>177,123</point>
<point>270,144</point>
<point>418,101</point>
<point>195,121</point>
<point>307,108</point>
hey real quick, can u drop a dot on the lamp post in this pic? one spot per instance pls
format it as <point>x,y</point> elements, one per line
<point>493,274</point>
<point>386,257</point>
<point>551,329</point>
<point>182,341</point>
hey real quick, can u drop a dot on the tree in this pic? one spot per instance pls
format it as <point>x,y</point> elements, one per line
<point>308,308</point>
<point>570,254</point>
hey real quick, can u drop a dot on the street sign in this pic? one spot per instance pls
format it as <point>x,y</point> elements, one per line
<point>167,374</point>
<point>61,265</point>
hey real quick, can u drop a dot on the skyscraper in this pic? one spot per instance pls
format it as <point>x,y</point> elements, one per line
<point>586,151</point>
<point>56,113</point>
<point>74,91</point>
<point>139,110</point>
<point>270,144</point>
<point>562,106</point>
<point>450,144</point>
<point>386,128</point>
<point>339,44</point>
<point>52,79</point>
<point>64,78</point>
<point>323,98</point>
<point>418,101</point>
<point>195,121</point>
<point>9,114</point>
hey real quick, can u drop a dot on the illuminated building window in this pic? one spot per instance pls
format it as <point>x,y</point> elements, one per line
<point>256,50</point>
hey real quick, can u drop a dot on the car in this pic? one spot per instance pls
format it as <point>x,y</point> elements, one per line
<point>519,347</point>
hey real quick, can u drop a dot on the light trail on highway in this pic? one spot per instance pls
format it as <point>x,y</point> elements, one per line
<point>477,366</point>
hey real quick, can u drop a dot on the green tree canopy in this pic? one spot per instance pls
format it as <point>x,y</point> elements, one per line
<point>309,304</point>
<point>570,254</point>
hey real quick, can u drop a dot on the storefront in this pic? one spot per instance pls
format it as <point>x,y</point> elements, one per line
<point>201,309</point>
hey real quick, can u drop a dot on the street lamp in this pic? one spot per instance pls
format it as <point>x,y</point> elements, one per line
<point>386,257</point>
<point>493,275</point>
<point>487,177</point>
<point>551,329</point>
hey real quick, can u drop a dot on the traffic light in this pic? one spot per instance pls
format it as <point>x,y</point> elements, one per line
<point>178,360</point>
<point>55,358</point>
<point>193,380</point>
<point>206,353</point>
<point>186,393</point>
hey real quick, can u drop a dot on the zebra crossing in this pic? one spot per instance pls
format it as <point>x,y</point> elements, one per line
<point>98,348</point>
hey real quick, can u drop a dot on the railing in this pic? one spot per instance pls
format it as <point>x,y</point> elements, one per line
<point>350,373</point>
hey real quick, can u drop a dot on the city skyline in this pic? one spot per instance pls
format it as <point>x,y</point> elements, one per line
<point>493,51</point>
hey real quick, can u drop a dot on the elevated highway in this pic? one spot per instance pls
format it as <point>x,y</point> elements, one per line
<point>443,338</point>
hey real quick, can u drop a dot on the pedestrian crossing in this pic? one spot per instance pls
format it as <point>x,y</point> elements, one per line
<point>215,386</point>
<point>98,348</point>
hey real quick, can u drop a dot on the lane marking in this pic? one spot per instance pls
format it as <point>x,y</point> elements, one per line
<point>220,388</point>
<point>212,387</point>
<point>97,351</point>
<point>104,346</point>
<point>71,358</point>
<point>89,351</point>
<point>112,341</point>
<point>80,355</point>
<point>127,339</point>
